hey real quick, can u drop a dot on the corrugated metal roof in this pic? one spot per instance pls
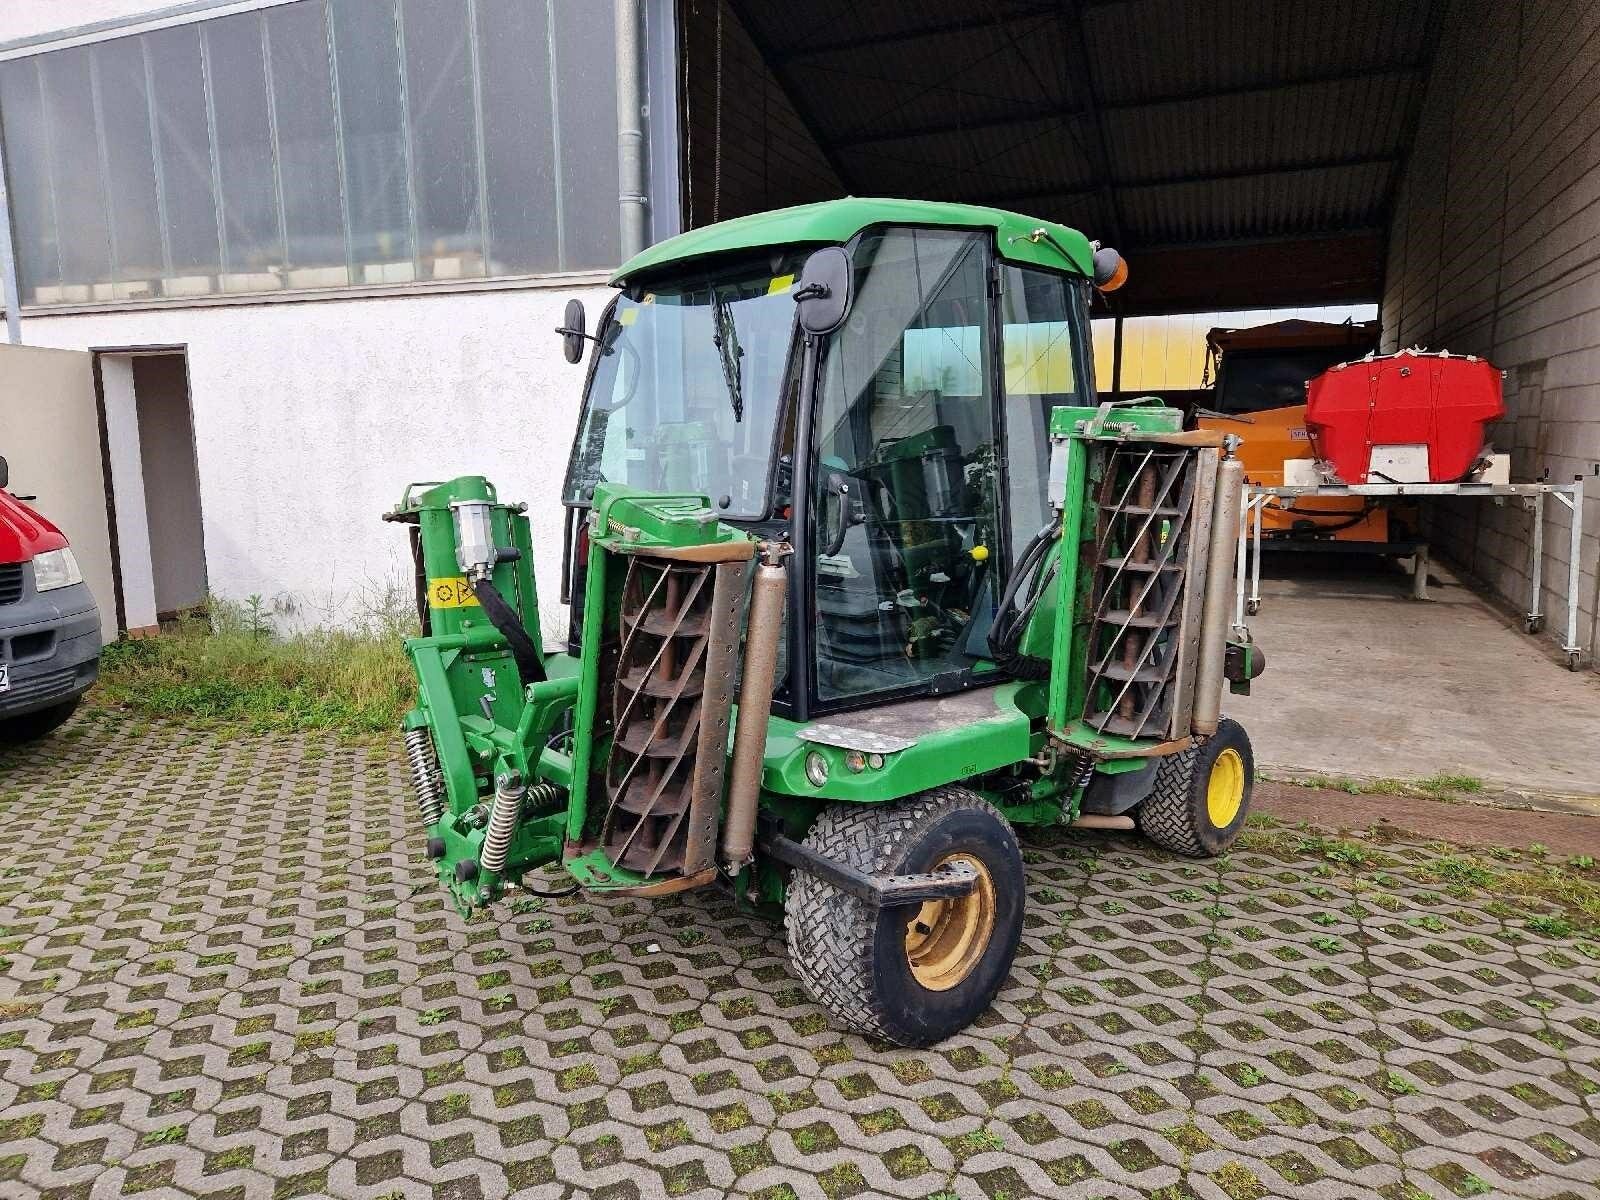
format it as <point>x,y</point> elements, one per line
<point>1221,120</point>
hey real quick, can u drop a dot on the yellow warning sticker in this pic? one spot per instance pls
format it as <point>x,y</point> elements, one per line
<point>780,284</point>
<point>629,316</point>
<point>451,591</point>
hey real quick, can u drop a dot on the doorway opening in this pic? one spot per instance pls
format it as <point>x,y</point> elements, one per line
<point>155,482</point>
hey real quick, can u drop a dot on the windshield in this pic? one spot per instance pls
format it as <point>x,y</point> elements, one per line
<point>1258,380</point>
<point>687,389</point>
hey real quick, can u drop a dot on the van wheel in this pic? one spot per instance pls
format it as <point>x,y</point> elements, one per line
<point>911,974</point>
<point>34,725</point>
<point>1201,796</point>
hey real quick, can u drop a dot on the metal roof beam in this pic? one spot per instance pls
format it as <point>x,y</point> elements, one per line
<point>1071,16</point>
<point>1064,113</point>
<point>1432,30</point>
<point>1219,176</point>
<point>880,41</point>
<point>800,103</point>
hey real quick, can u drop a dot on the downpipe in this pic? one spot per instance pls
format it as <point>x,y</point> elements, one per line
<point>1206,711</point>
<point>631,150</point>
<point>763,631</point>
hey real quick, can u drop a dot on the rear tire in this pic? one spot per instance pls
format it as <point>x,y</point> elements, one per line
<point>34,725</point>
<point>1201,796</point>
<point>911,975</point>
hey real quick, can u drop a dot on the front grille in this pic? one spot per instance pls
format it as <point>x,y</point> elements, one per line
<point>10,583</point>
<point>53,685</point>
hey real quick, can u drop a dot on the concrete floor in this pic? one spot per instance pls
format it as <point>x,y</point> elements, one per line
<point>242,980</point>
<point>1364,682</point>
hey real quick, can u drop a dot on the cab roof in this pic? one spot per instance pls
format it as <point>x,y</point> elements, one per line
<point>833,222</point>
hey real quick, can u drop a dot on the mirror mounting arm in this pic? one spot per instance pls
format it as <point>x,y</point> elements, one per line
<point>568,331</point>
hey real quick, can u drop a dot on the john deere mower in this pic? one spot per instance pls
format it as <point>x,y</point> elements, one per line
<point>861,578</point>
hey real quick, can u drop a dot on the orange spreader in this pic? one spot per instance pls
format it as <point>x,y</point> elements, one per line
<point>1279,433</point>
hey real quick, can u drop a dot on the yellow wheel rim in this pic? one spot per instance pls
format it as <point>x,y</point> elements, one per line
<point>1225,788</point>
<point>946,938</point>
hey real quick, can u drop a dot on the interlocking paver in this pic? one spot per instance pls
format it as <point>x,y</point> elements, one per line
<point>227,972</point>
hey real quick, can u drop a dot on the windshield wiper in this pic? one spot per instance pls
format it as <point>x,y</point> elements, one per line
<point>725,336</point>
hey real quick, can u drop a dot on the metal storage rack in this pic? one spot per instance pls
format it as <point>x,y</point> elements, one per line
<point>1532,495</point>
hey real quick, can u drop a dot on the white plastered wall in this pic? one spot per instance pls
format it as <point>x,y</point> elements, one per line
<point>310,418</point>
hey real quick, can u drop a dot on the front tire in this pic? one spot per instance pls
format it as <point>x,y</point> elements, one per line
<point>911,975</point>
<point>32,726</point>
<point>1201,796</point>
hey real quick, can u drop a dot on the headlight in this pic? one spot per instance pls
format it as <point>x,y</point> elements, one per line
<point>55,569</point>
<point>816,769</point>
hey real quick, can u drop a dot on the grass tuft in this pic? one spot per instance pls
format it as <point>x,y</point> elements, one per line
<point>1442,785</point>
<point>230,667</point>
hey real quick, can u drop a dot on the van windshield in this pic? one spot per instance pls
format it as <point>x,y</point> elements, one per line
<point>687,389</point>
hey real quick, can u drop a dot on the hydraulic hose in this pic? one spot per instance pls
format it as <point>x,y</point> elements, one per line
<point>509,625</point>
<point>1011,618</point>
<point>1315,529</point>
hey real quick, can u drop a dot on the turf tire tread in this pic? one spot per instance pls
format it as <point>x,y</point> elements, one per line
<point>829,931</point>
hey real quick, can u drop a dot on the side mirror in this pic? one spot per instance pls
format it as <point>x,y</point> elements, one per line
<point>572,332</point>
<point>823,293</point>
<point>5,472</point>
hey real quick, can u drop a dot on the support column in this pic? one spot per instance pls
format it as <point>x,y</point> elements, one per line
<point>1116,355</point>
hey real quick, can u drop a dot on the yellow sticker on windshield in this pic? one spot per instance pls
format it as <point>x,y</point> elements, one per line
<point>629,316</point>
<point>450,591</point>
<point>780,284</point>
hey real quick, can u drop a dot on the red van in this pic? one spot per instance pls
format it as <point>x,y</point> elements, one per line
<point>49,625</point>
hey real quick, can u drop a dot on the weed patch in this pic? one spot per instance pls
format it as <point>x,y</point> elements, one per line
<point>231,668</point>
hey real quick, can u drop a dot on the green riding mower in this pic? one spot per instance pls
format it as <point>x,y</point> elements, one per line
<point>861,577</point>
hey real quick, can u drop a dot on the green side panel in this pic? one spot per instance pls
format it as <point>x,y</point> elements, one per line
<point>947,756</point>
<point>837,221</point>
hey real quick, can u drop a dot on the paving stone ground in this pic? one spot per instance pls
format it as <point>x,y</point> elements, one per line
<point>227,972</point>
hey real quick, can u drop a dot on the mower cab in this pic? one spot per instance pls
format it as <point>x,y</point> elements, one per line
<point>861,576</point>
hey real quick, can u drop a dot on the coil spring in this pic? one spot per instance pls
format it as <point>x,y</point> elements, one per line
<point>542,796</point>
<point>424,779</point>
<point>1082,772</point>
<point>503,818</point>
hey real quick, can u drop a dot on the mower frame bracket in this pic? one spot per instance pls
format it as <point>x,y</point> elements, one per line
<point>876,891</point>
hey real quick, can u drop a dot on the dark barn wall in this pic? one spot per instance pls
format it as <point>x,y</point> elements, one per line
<point>765,157</point>
<point>1494,250</point>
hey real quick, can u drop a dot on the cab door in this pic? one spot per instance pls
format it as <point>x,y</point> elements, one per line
<point>904,527</point>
